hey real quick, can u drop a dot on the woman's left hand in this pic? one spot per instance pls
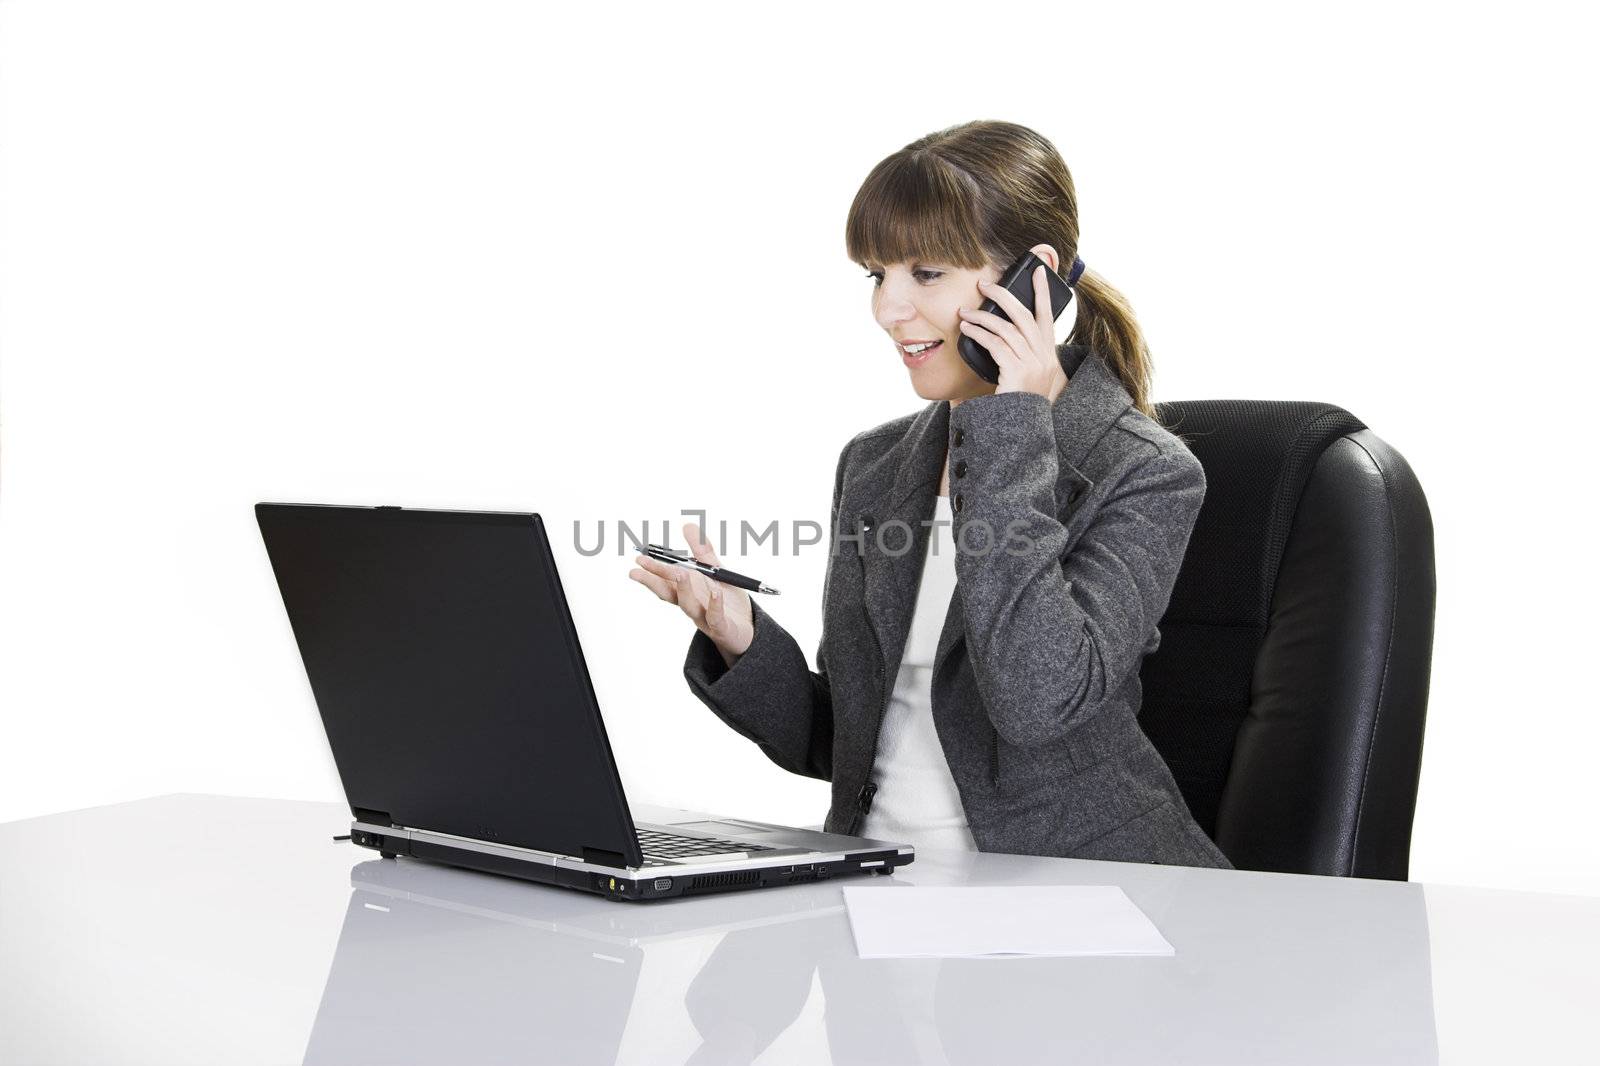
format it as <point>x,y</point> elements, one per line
<point>1025,347</point>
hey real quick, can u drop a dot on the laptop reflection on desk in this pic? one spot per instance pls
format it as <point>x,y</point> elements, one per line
<point>439,965</point>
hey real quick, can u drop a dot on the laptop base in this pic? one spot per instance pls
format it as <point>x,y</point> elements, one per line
<point>624,885</point>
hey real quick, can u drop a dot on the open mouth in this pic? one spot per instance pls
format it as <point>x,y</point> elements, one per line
<point>918,353</point>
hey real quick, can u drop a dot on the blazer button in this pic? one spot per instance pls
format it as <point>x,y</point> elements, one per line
<point>956,503</point>
<point>961,468</point>
<point>959,437</point>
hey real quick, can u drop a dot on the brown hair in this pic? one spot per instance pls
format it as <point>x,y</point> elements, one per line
<point>982,193</point>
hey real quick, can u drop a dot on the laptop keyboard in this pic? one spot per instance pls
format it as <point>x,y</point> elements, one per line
<point>658,845</point>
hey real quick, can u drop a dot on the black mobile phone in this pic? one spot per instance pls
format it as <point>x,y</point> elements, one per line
<point>1018,280</point>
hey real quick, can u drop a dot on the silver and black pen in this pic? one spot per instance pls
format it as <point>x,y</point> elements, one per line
<point>715,573</point>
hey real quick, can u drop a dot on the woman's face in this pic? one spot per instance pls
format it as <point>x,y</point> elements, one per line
<point>916,301</point>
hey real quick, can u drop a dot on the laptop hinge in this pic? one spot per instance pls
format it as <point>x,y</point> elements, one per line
<point>602,857</point>
<point>372,817</point>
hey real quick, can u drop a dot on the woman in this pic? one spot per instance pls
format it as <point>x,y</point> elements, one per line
<point>1058,512</point>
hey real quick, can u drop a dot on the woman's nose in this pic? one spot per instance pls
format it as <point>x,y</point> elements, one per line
<point>890,312</point>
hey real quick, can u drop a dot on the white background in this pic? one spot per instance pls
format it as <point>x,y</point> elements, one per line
<point>505,256</point>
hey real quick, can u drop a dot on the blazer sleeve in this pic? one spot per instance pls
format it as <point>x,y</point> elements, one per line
<point>770,694</point>
<point>1052,635</point>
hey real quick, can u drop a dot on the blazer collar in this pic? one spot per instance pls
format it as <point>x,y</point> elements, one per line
<point>901,486</point>
<point>1093,399</point>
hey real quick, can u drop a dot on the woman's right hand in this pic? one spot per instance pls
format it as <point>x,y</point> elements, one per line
<point>722,612</point>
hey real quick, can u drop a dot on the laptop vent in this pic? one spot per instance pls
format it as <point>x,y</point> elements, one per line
<point>748,877</point>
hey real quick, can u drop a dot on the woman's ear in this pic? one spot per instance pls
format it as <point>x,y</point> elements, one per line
<point>1048,254</point>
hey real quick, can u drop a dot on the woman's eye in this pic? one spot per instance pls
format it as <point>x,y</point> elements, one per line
<point>920,275</point>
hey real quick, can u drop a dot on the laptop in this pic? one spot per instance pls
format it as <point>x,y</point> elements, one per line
<point>446,667</point>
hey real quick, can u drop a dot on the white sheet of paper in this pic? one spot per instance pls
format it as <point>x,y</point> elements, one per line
<point>1022,920</point>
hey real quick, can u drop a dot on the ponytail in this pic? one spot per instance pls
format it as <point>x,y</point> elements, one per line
<point>1106,323</point>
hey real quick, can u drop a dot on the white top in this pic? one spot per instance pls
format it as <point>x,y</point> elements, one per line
<point>917,801</point>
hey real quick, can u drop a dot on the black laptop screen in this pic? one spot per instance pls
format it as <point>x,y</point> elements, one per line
<point>448,674</point>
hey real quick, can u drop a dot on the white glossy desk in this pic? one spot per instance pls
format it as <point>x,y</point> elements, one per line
<point>203,929</point>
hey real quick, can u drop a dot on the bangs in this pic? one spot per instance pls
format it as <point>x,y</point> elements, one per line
<point>915,206</point>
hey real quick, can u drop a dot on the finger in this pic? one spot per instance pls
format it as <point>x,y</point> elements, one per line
<point>689,589</point>
<point>693,592</point>
<point>694,598</point>
<point>1000,327</point>
<point>698,546</point>
<point>998,348</point>
<point>676,576</point>
<point>1013,307</point>
<point>1043,313</point>
<point>670,571</point>
<point>1032,335</point>
<point>715,618</point>
<point>663,588</point>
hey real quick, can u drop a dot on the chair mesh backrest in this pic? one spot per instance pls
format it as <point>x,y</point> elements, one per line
<point>1257,456</point>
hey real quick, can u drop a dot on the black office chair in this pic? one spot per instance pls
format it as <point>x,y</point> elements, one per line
<point>1290,687</point>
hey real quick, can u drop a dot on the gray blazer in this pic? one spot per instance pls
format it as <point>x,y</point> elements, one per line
<point>1036,679</point>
